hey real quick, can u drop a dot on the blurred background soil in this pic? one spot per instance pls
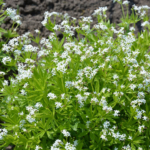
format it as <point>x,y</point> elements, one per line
<point>32,12</point>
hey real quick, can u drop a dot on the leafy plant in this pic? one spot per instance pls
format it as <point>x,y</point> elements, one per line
<point>90,93</point>
<point>5,36</point>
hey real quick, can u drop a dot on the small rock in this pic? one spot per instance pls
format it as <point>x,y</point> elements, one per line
<point>21,3</point>
<point>9,148</point>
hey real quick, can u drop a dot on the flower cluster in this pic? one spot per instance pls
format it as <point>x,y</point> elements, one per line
<point>3,133</point>
<point>12,13</point>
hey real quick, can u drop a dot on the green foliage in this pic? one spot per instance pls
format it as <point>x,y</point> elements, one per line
<point>5,36</point>
<point>89,93</point>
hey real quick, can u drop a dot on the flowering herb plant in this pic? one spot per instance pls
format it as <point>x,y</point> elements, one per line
<point>6,68</point>
<point>82,93</point>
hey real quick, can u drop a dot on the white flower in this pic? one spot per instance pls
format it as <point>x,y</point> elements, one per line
<point>145,118</point>
<point>12,13</point>
<point>106,108</point>
<point>141,95</point>
<point>127,147</point>
<point>38,105</point>
<point>37,31</point>
<point>25,85</point>
<point>132,86</point>
<point>145,23</point>
<point>29,48</point>
<point>132,28</point>
<point>99,11</point>
<point>23,92</point>
<point>17,52</point>
<point>104,89</point>
<point>116,93</point>
<point>75,142</point>
<point>122,86</point>
<point>130,137</point>
<point>24,129</point>
<point>88,123</point>
<point>18,22</point>
<point>29,61</point>
<point>5,82</point>
<point>21,113</point>
<point>126,2</point>
<point>106,124</point>
<point>103,137</point>
<point>58,105</point>
<point>2,73</point>
<point>122,137</point>
<point>94,100</point>
<point>68,84</point>
<point>69,146</point>
<point>30,119</point>
<point>57,143</point>
<point>140,128</point>
<point>116,112</point>
<point>6,59</point>
<point>3,132</point>
<point>51,96</point>
<point>38,147</point>
<point>66,133</point>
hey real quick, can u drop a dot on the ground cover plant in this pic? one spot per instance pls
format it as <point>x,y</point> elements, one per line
<point>7,70</point>
<point>86,93</point>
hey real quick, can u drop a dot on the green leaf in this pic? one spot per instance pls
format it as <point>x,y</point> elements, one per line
<point>133,147</point>
<point>9,34</point>
<point>97,86</point>
<point>92,135</point>
<point>3,30</point>
<point>91,37</point>
<point>41,134</point>
<point>138,140</point>
<point>50,26</point>
<point>8,120</point>
<point>50,134</point>
<point>23,139</point>
<point>83,134</point>
<point>75,127</point>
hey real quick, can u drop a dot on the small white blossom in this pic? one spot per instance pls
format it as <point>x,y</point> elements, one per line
<point>126,2</point>
<point>145,23</point>
<point>23,92</point>
<point>38,147</point>
<point>66,133</point>
<point>58,105</point>
<point>116,113</point>
<point>2,73</point>
<point>6,59</point>
<point>38,105</point>
<point>51,96</point>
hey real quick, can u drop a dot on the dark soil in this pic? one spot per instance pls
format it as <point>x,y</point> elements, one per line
<point>32,11</point>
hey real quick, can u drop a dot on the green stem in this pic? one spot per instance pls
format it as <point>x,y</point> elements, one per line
<point>122,11</point>
<point>91,109</point>
<point>62,84</point>
<point>127,11</point>
<point>2,15</point>
<point>79,36</point>
<point>12,27</point>
<point>92,87</point>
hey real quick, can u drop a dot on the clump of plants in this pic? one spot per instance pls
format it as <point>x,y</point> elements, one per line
<point>85,93</point>
<point>8,69</point>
